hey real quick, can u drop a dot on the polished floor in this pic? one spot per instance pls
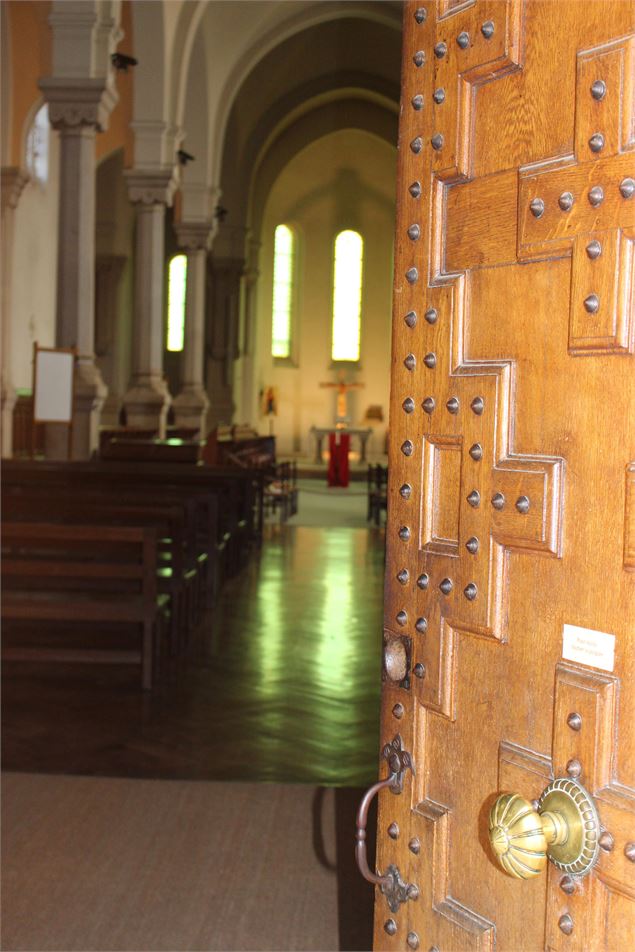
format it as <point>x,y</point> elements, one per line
<point>282,683</point>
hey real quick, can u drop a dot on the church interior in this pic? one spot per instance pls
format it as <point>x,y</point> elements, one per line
<point>318,491</point>
<point>198,207</point>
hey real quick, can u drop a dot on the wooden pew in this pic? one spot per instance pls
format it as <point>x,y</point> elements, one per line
<point>92,575</point>
<point>281,490</point>
<point>151,450</point>
<point>176,559</point>
<point>239,446</point>
<point>182,503</point>
<point>230,500</point>
<point>377,492</point>
<point>106,434</point>
<point>171,452</point>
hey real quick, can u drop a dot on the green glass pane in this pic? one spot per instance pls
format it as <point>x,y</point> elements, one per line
<point>177,286</point>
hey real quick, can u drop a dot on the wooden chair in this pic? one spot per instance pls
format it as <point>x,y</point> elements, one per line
<point>377,484</point>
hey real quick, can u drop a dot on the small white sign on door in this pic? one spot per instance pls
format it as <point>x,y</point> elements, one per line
<point>586,646</point>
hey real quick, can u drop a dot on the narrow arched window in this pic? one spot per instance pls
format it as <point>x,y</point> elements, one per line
<point>37,146</point>
<point>347,296</point>
<point>283,270</point>
<point>177,285</point>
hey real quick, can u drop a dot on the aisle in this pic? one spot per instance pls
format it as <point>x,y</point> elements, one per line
<point>282,683</point>
<point>320,505</point>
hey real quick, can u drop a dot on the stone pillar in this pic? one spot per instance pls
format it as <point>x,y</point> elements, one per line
<point>226,279</point>
<point>108,333</point>
<point>148,399</point>
<point>13,181</point>
<point>245,387</point>
<point>77,109</point>
<point>192,403</point>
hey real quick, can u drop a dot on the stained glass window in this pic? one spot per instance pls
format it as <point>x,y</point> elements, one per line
<point>347,296</point>
<point>177,284</point>
<point>283,268</point>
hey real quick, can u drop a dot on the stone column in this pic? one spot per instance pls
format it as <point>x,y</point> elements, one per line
<point>226,279</point>
<point>245,388</point>
<point>108,333</point>
<point>192,403</point>
<point>77,109</point>
<point>148,399</point>
<point>13,181</point>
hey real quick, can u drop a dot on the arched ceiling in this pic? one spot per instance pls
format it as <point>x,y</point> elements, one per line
<point>257,27</point>
<point>336,74</point>
<point>267,63</point>
<point>331,115</point>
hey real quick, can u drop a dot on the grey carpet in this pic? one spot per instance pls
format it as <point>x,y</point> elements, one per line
<point>117,864</point>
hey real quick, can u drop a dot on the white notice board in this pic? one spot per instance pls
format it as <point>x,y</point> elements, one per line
<point>53,386</point>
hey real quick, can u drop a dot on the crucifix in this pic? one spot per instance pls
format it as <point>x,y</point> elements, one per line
<point>341,417</point>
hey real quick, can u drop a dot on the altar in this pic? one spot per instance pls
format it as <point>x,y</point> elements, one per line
<point>319,432</point>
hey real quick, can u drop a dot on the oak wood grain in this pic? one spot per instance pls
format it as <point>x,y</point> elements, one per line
<point>534,385</point>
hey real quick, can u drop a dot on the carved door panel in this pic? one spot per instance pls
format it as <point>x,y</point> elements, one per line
<point>510,603</point>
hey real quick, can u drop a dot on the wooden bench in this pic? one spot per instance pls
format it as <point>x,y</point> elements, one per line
<point>237,494</point>
<point>239,446</point>
<point>377,492</point>
<point>151,450</point>
<point>92,575</point>
<point>176,558</point>
<point>225,510</point>
<point>106,434</point>
<point>281,490</point>
<point>170,453</point>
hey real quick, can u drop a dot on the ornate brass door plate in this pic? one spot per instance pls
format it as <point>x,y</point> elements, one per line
<point>579,852</point>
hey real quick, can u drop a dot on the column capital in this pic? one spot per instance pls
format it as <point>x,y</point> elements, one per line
<point>199,201</point>
<point>152,186</point>
<point>155,143</point>
<point>13,181</point>
<point>75,102</point>
<point>195,236</point>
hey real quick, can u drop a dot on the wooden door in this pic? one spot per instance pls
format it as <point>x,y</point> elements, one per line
<point>509,602</point>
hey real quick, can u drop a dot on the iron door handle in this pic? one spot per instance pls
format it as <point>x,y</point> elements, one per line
<point>360,837</point>
<point>390,883</point>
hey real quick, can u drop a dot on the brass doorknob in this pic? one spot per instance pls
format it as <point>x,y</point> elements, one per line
<point>565,828</point>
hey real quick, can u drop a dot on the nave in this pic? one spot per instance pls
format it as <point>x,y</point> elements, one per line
<point>281,683</point>
<point>275,708</point>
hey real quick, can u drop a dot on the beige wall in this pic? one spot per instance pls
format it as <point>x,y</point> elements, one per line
<point>343,180</point>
